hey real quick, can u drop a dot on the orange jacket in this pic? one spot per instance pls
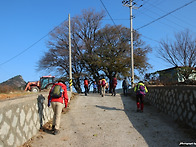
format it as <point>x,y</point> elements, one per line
<point>63,97</point>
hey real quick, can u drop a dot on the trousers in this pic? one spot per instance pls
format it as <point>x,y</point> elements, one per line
<point>103,91</point>
<point>57,108</point>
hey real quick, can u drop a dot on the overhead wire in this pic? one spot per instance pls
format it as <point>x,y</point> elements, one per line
<point>165,23</point>
<point>108,12</point>
<point>112,21</point>
<point>115,23</point>
<point>20,53</point>
<point>144,9</point>
<point>172,15</point>
<point>165,15</point>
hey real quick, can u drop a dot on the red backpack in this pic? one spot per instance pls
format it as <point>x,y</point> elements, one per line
<point>86,82</point>
<point>103,83</point>
<point>114,82</point>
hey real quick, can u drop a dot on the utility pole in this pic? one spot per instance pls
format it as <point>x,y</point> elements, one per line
<point>129,3</point>
<point>131,43</point>
<point>70,64</point>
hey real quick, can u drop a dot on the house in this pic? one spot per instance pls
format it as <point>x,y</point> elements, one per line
<point>177,74</point>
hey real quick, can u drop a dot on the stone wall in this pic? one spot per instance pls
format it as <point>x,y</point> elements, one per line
<point>20,119</point>
<point>176,101</point>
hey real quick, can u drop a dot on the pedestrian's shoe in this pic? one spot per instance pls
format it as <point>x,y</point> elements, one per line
<point>138,110</point>
<point>141,111</point>
<point>56,132</point>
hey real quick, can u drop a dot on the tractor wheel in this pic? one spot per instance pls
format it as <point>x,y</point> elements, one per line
<point>34,89</point>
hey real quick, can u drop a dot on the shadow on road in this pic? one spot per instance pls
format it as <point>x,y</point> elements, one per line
<point>109,108</point>
<point>157,128</point>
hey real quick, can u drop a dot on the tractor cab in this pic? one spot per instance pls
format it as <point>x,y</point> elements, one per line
<point>46,82</point>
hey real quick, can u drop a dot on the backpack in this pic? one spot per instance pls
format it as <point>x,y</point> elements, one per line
<point>86,82</point>
<point>141,90</point>
<point>103,83</point>
<point>114,82</point>
<point>56,91</point>
<point>125,84</point>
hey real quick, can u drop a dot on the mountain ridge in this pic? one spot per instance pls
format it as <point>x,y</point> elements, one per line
<point>15,82</point>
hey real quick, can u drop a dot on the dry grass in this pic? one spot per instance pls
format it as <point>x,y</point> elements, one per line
<point>11,95</point>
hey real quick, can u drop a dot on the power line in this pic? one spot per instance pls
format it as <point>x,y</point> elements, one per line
<point>150,38</point>
<point>172,16</point>
<point>166,15</point>
<point>123,19</point>
<point>165,23</point>
<point>144,9</point>
<point>107,12</point>
<point>23,51</point>
<point>30,46</point>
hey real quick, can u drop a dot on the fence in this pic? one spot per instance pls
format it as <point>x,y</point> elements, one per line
<point>176,101</point>
<point>20,119</point>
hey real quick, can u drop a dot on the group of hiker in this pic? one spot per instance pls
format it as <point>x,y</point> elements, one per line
<point>102,86</point>
<point>58,97</point>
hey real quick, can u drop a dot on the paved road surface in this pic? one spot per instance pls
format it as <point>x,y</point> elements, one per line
<point>95,121</point>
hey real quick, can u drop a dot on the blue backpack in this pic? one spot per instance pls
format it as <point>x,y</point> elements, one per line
<point>141,90</point>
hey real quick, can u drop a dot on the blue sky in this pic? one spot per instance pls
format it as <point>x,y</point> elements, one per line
<point>25,24</point>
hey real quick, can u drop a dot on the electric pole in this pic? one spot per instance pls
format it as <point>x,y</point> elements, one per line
<point>130,4</point>
<point>131,44</point>
<point>70,64</point>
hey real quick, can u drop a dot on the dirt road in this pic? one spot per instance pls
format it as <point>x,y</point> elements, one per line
<point>95,121</point>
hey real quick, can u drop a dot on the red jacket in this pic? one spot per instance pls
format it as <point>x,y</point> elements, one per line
<point>63,97</point>
<point>85,82</point>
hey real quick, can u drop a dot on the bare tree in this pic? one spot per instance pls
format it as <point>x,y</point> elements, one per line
<point>181,51</point>
<point>114,52</point>
<point>56,60</point>
<point>95,50</point>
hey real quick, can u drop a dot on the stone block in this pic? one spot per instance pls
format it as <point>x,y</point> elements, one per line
<point>179,111</point>
<point>190,115</point>
<point>193,107</point>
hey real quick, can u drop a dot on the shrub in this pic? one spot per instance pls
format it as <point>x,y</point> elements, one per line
<point>7,89</point>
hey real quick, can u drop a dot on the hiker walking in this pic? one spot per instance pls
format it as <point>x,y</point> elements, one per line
<point>94,87</point>
<point>141,91</point>
<point>86,86</point>
<point>57,94</point>
<point>106,87</point>
<point>99,86</point>
<point>114,83</point>
<point>103,84</point>
<point>125,86</point>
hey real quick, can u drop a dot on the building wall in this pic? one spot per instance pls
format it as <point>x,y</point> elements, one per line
<point>176,101</point>
<point>21,119</point>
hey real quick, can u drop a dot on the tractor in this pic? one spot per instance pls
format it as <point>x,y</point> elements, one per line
<point>45,82</point>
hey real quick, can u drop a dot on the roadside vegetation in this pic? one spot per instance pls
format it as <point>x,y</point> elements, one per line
<point>9,92</point>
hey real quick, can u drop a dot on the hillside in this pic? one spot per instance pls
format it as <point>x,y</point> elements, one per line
<point>15,82</point>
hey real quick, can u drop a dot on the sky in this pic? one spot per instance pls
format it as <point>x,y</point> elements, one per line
<point>25,27</point>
